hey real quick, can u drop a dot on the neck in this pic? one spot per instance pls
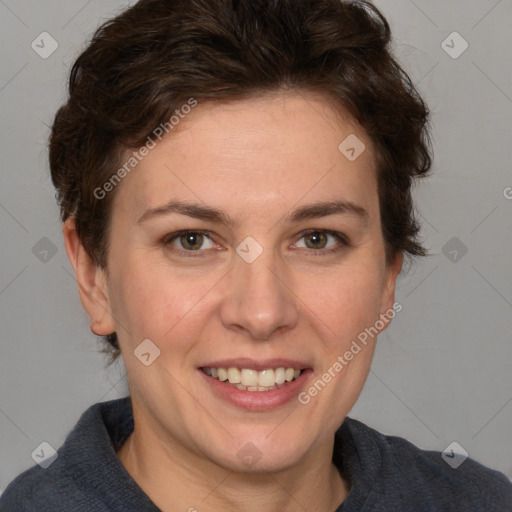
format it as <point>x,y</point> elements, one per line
<point>175,479</point>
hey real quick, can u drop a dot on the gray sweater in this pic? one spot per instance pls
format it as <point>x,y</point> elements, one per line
<point>387,474</point>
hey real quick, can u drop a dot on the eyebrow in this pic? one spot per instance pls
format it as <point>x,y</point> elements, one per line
<point>326,208</point>
<point>194,210</point>
<point>307,212</point>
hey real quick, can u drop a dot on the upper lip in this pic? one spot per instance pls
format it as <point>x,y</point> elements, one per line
<point>259,365</point>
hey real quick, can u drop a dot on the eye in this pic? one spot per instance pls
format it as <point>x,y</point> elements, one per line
<point>319,239</point>
<point>189,241</point>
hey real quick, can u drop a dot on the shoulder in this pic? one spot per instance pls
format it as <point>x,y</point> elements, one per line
<point>413,478</point>
<point>83,464</point>
<point>40,490</point>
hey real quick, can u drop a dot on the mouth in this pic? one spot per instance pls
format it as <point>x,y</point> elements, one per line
<point>248,379</point>
<point>256,385</point>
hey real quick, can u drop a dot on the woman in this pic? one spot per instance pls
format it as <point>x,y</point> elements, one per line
<point>234,180</point>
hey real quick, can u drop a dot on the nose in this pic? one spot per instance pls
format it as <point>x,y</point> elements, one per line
<point>258,301</point>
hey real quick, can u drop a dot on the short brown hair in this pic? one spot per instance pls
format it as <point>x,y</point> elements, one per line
<point>152,58</point>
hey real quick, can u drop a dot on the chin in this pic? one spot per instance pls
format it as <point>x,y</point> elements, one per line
<point>262,453</point>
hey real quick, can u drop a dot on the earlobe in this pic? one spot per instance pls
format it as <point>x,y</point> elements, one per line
<point>91,280</point>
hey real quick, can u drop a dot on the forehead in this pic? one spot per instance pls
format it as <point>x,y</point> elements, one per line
<point>265,150</point>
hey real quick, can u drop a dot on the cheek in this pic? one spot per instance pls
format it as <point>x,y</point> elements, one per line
<point>152,303</point>
<point>343,303</point>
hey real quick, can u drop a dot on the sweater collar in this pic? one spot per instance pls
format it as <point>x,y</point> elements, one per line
<point>92,445</point>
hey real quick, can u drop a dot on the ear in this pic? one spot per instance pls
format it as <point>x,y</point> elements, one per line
<point>388,294</point>
<point>92,282</point>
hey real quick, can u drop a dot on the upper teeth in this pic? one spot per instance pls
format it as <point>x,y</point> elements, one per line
<point>253,378</point>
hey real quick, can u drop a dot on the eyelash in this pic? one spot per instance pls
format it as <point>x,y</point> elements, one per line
<point>342,239</point>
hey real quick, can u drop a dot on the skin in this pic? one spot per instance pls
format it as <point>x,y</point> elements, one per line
<point>256,160</point>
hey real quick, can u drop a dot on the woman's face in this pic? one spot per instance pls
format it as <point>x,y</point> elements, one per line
<point>282,266</point>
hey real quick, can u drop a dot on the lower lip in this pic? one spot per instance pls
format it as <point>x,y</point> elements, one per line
<point>257,400</point>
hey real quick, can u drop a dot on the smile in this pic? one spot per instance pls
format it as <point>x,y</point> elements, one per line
<point>247,379</point>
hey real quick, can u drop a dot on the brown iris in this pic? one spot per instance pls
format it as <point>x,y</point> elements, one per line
<point>192,241</point>
<point>316,240</point>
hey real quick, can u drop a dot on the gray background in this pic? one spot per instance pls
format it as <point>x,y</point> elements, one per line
<point>441,371</point>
